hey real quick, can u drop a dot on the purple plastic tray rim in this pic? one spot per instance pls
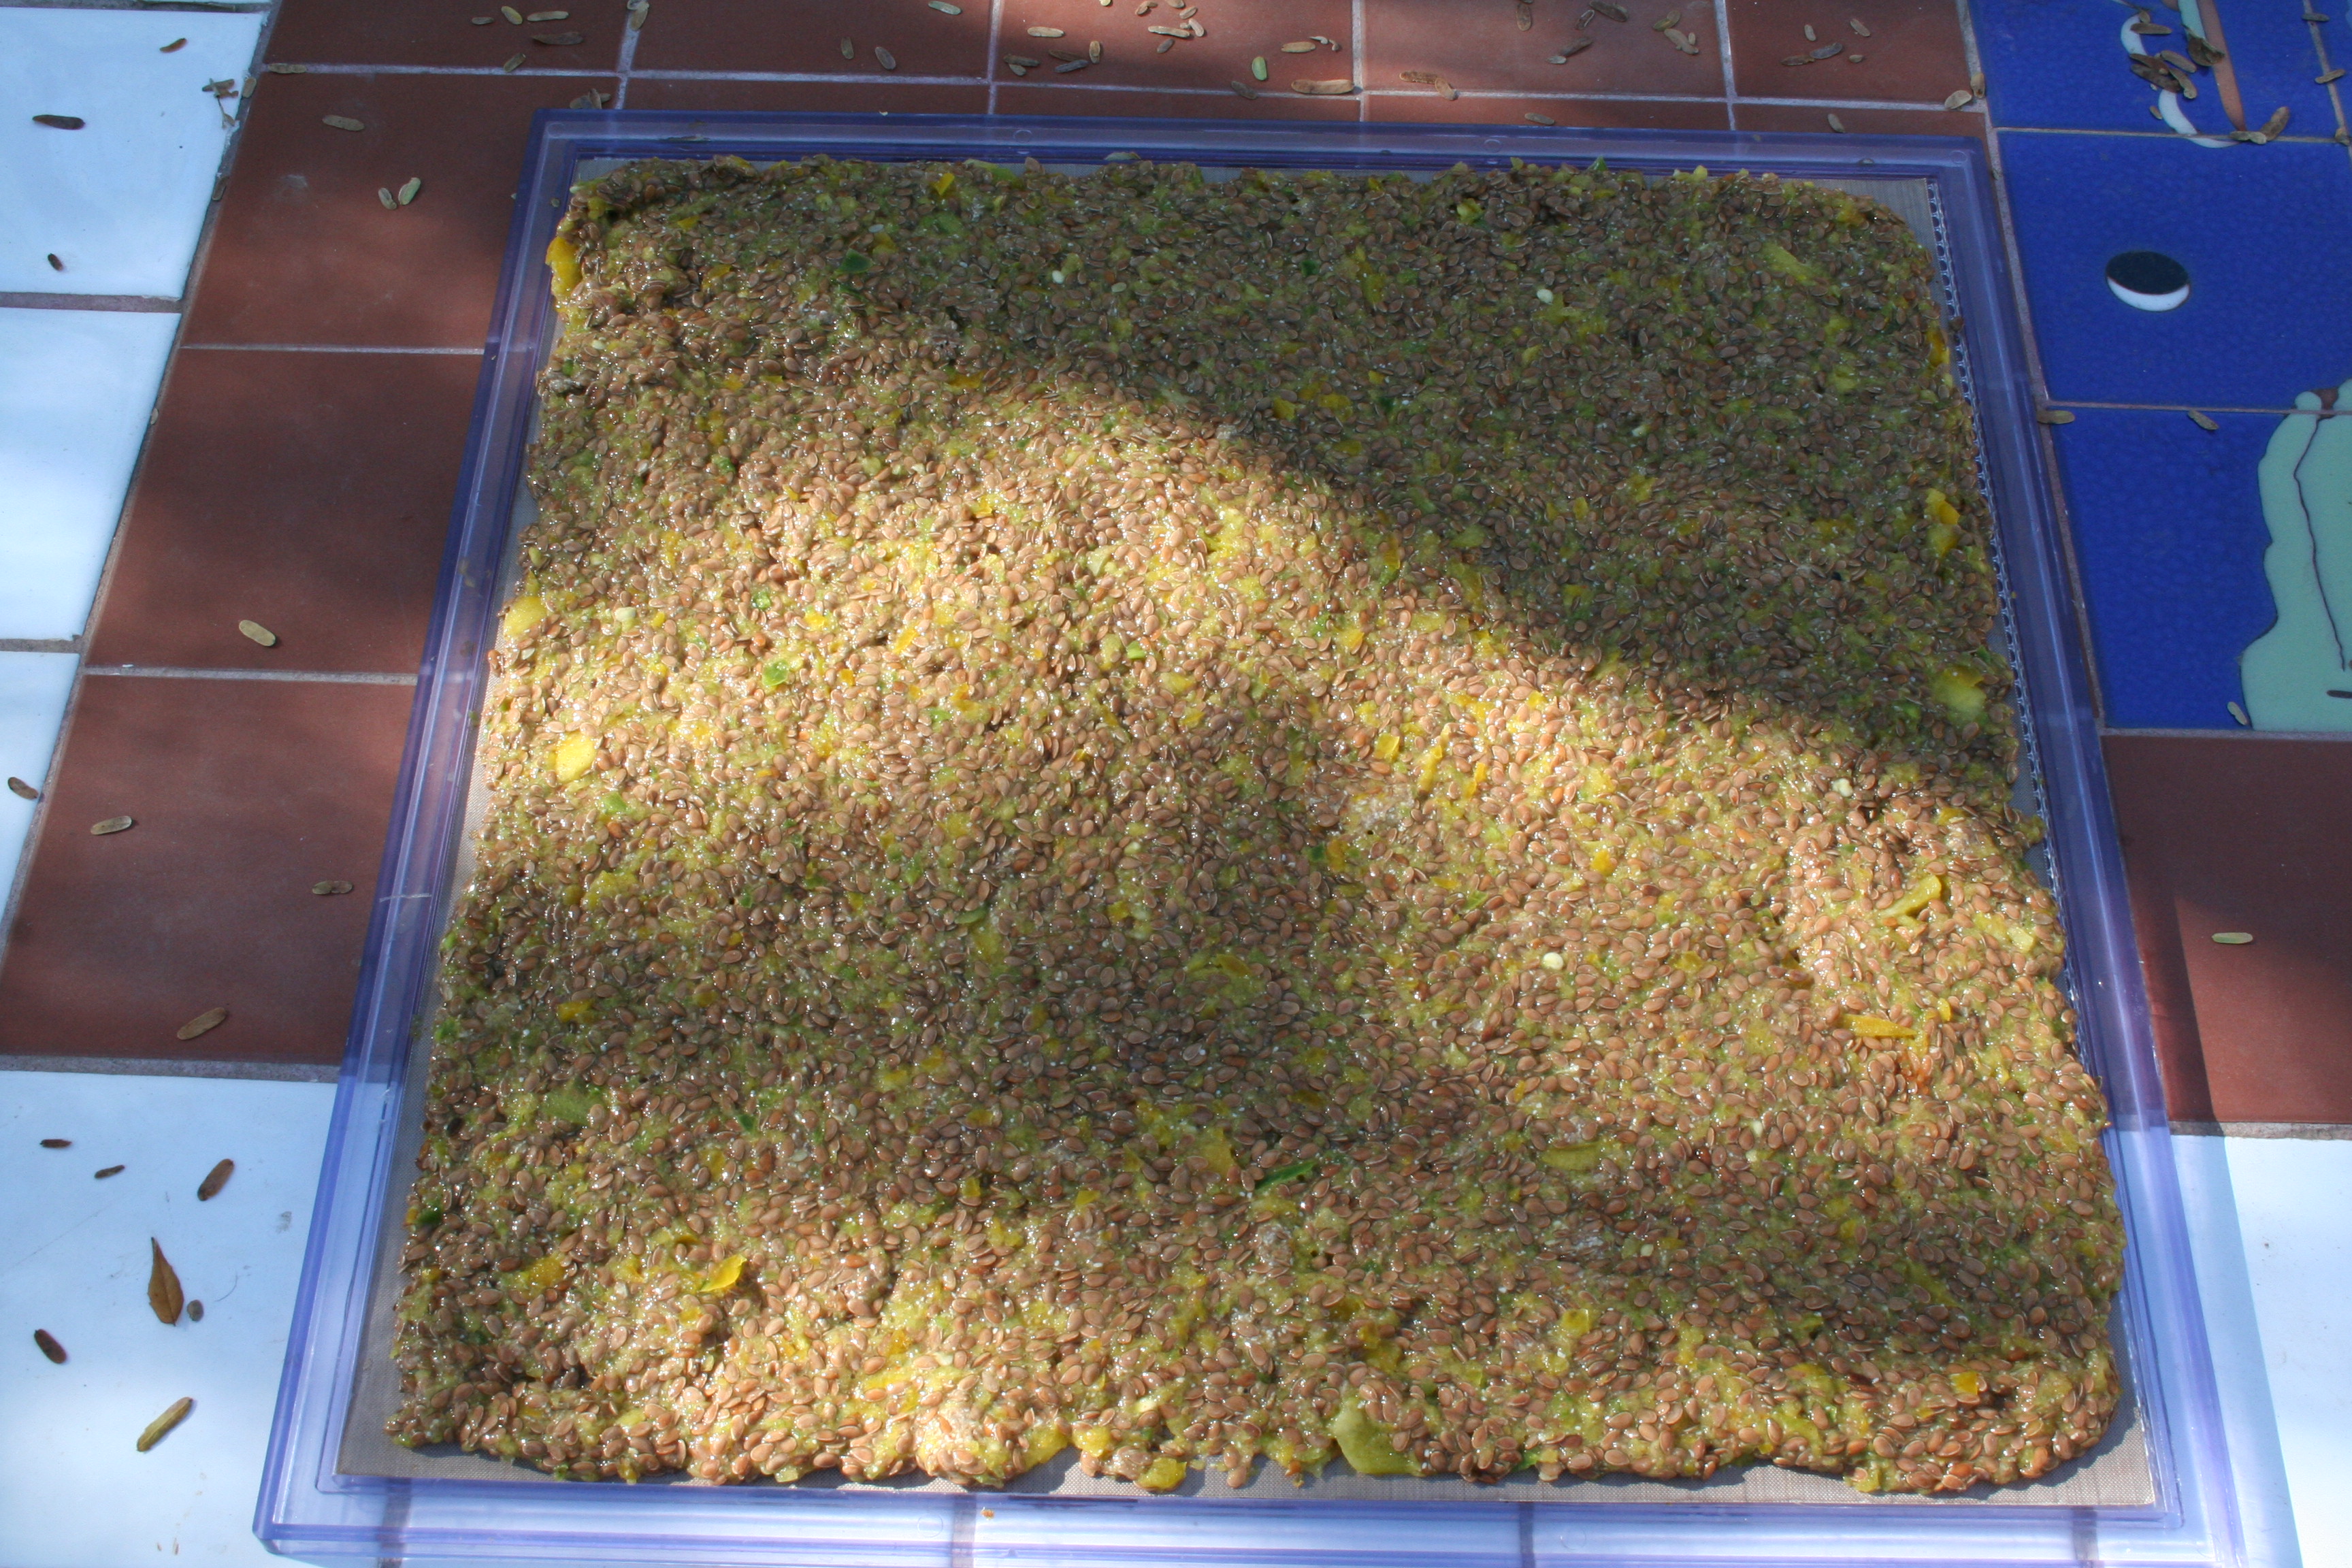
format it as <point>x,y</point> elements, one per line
<point>309,1509</point>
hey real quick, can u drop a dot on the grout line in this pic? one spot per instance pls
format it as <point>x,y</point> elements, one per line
<point>141,303</point>
<point>1356,60</point>
<point>1730,85</point>
<point>313,349</point>
<point>2108,732</point>
<point>310,68</point>
<point>280,1072</point>
<point>2146,135</point>
<point>2329,1131</point>
<point>180,672</point>
<point>40,644</point>
<point>2200,407</point>
<point>995,34</point>
<point>627,58</point>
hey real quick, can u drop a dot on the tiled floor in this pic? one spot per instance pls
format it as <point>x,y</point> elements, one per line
<point>301,463</point>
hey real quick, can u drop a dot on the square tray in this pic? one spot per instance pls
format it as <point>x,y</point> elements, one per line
<point>2157,1491</point>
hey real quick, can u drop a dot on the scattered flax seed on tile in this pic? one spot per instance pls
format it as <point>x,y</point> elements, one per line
<point>2055,415</point>
<point>848,49</point>
<point>408,192</point>
<point>1045,32</point>
<point>161,1425</point>
<point>328,889</point>
<point>1066,66</point>
<point>282,67</point>
<point>113,825</point>
<point>637,13</point>
<point>214,1180</point>
<point>1299,47</point>
<point>511,15</point>
<point>549,16</point>
<point>2240,715</point>
<point>60,122</point>
<point>484,21</point>
<point>109,1170</point>
<point>1243,89</point>
<point>174,46</point>
<point>2202,420</point>
<point>204,1023</point>
<point>1526,17</point>
<point>513,63</point>
<point>1812,37</point>
<point>195,1312</point>
<point>1855,23</point>
<point>1258,70</point>
<point>383,195</point>
<point>1959,100</point>
<point>2233,937</point>
<point>1330,44</point>
<point>2333,74</point>
<point>163,1292</point>
<point>885,58</point>
<point>22,790</point>
<point>1094,51</point>
<point>1835,123</point>
<point>1672,17</point>
<point>49,1346</point>
<point>1576,47</point>
<point>56,1142</point>
<point>1611,10</point>
<point>341,123</point>
<point>55,264</point>
<point>1535,118</point>
<point>947,9</point>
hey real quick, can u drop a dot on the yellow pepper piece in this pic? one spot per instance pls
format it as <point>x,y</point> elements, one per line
<point>573,1012</point>
<point>523,614</point>
<point>563,261</point>
<point>1386,748</point>
<point>1967,1382</point>
<point>722,1276</point>
<point>1161,1475</point>
<point>543,1274</point>
<point>574,755</point>
<point>1604,862</point>
<point>1871,1028</point>
<point>1426,778</point>
<point>1960,691</point>
<point>1926,891</point>
<point>1366,1445</point>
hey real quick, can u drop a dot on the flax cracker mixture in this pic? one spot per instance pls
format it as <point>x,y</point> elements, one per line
<point>1220,821</point>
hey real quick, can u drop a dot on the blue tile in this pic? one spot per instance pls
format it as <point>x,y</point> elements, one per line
<point>2061,64</point>
<point>2169,536</point>
<point>2265,234</point>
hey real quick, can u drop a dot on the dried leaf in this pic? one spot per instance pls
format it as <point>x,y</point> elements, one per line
<point>163,1292</point>
<point>202,1023</point>
<point>1327,87</point>
<point>49,1346</point>
<point>22,790</point>
<point>164,1423</point>
<point>113,825</point>
<point>214,1180</point>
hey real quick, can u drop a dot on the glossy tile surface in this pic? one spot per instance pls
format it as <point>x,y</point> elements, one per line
<point>1914,52</point>
<point>306,253</point>
<point>2243,834</point>
<point>75,389</point>
<point>807,97</point>
<point>76,1493</point>
<point>443,33</point>
<point>120,202</point>
<point>804,36</point>
<point>1480,47</point>
<point>2066,65</point>
<point>2264,231</point>
<point>2169,535</point>
<point>244,793</point>
<point>34,690</point>
<point>1237,34</point>
<point>309,492</point>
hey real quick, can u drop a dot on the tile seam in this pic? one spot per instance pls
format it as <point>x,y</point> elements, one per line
<point>145,304</point>
<point>40,644</point>
<point>995,36</point>
<point>2314,1131</point>
<point>134,1067</point>
<point>317,349</point>
<point>2111,732</point>
<point>1356,60</point>
<point>1731,99</point>
<point>625,59</point>
<point>188,672</point>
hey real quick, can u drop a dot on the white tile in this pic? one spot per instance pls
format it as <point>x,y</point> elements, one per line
<point>34,687</point>
<point>76,389</point>
<point>2297,1234</point>
<point>123,200</point>
<point>74,1259</point>
<point>2234,1331</point>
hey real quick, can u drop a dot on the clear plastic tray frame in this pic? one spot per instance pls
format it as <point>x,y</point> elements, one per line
<point>310,1509</point>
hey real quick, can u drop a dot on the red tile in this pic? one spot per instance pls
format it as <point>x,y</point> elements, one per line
<point>307,492</point>
<point>1032,98</point>
<point>2237,834</point>
<point>441,33</point>
<point>1132,56</point>
<point>806,35</point>
<point>1860,121</point>
<point>1479,47</point>
<point>697,94</point>
<point>1915,53</point>
<point>245,793</point>
<point>1651,114</point>
<point>304,252</point>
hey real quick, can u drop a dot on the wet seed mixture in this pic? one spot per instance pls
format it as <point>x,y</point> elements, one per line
<point>1220,822</point>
